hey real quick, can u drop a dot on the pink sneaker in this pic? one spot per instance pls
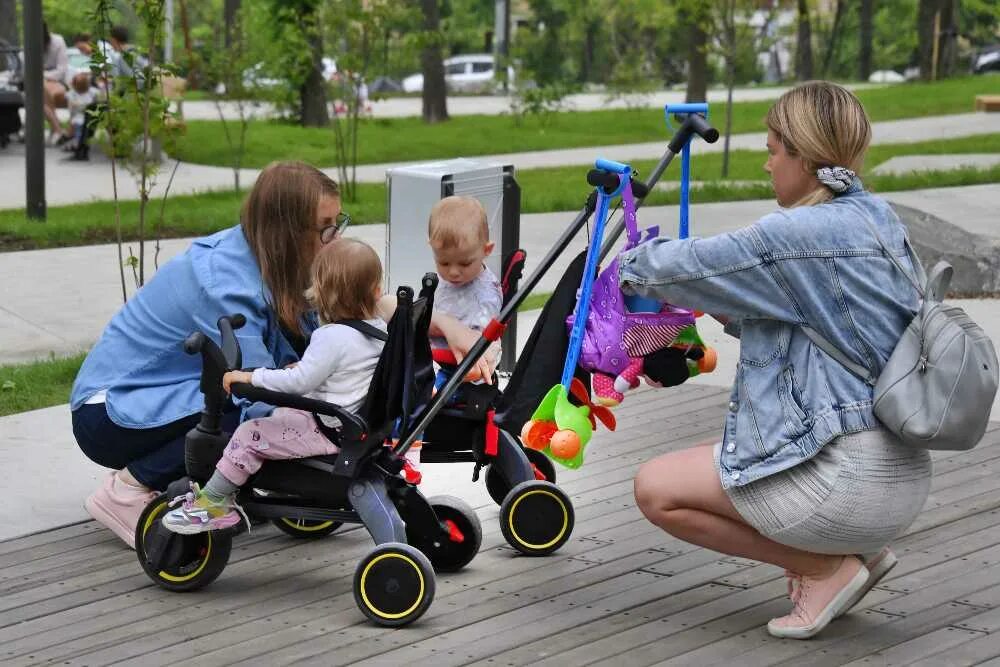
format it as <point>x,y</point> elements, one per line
<point>878,567</point>
<point>117,506</point>
<point>818,601</point>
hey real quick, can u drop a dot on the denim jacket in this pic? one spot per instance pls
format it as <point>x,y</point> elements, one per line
<point>814,265</point>
<point>139,359</point>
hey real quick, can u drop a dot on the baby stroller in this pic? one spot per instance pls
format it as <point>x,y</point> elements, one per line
<point>11,97</point>
<point>536,517</point>
<point>394,582</point>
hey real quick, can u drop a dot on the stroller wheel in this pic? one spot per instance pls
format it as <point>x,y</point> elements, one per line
<point>536,518</point>
<point>306,529</point>
<point>394,584</point>
<point>498,486</point>
<point>179,562</point>
<point>451,555</point>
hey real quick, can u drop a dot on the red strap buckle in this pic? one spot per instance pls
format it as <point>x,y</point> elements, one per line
<point>494,330</point>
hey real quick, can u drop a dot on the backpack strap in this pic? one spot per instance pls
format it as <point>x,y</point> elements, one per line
<point>936,285</point>
<point>365,328</point>
<point>841,358</point>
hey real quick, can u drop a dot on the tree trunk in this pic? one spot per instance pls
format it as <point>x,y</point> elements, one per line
<point>435,101</point>
<point>313,91</point>
<point>8,22</point>
<point>925,36</point>
<point>589,47</point>
<point>834,39</point>
<point>697,86</point>
<point>192,75</point>
<point>229,11</point>
<point>730,36</point>
<point>865,36</point>
<point>803,50</point>
<point>948,39</point>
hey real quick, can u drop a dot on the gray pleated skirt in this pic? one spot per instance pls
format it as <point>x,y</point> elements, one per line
<point>858,493</point>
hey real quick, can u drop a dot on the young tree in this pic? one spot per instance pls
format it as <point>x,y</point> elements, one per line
<point>803,49</point>
<point>226,64</point>
<point>927,14</point>
<point>434,96</point>
<point>833,38</point>
<point>297,58</point>
<point>361,25</point>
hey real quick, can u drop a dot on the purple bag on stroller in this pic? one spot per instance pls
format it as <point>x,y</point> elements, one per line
<point>616,339</point>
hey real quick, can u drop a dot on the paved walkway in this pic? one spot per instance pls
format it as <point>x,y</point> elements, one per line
<point>72,182</point>
<point>466,105</point>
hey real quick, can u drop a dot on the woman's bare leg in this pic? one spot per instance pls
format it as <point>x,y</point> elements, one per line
<point>681,493</point>
<point>52,91</point>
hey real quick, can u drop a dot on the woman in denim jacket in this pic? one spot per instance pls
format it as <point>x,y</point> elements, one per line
<point>805,476</point>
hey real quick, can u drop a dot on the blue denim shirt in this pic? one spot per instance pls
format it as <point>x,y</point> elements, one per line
<point>139,358</point>
<point>814,265</point>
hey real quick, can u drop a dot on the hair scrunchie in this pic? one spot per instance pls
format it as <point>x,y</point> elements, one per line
<point>837,179</point>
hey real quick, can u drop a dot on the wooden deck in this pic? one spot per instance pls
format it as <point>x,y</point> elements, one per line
<point>620,592</point>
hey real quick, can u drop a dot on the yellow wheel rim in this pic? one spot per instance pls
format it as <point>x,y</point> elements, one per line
<point>166,576</point>
<point>364,592</point>
<point>513,511</point>
<point>294,523</point>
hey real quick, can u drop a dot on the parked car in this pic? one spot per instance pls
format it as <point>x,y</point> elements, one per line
<point>473,73</point>
<point>987,60</point>
<point>258,76</point>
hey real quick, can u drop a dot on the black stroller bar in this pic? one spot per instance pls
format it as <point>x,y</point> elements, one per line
<point>692,124</point>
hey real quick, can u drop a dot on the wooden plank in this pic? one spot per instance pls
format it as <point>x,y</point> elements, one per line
<point>471,604</point>
<point>320,597</point>
<point>907,652</point>
<point>975,652</point>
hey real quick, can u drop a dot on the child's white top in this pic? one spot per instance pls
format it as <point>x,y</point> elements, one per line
<point>337,367</point>
<point>78,102</point>
<point>473,304</point>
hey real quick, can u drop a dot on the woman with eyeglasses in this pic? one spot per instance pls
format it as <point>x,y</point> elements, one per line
<point>137,393</point>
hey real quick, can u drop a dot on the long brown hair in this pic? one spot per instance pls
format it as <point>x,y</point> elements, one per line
<point>279,221</point>
<point>346,277</point>
<point>826,125</point>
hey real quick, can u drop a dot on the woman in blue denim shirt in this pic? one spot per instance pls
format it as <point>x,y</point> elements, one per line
<point>805,477</point>
<point>137,393</point>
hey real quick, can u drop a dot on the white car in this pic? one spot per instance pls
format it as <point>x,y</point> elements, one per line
<point>466,74</point>
<point>258,77</point>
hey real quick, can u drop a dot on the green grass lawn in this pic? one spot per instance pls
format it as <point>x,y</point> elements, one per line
<point>399,139</point>
<point>36,385</point>
<point>543,190</point>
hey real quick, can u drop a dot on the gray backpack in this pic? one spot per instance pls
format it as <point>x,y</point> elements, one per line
<point>937,387</point>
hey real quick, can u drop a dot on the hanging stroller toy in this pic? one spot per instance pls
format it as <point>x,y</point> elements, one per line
<point>559,428</point>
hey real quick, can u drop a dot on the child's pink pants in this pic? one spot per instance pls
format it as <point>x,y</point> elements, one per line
<point>286,434</point>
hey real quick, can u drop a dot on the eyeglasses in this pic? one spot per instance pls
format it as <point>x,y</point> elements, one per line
<point>330,232</point>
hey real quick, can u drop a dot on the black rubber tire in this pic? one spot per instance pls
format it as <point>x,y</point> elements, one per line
<point>201,558</point>
<point>536,518</point>
<point>394,584</point>
<point>307,529</point>
<point>448,556</point>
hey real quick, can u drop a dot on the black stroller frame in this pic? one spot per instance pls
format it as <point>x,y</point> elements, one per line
<point>312,497</point>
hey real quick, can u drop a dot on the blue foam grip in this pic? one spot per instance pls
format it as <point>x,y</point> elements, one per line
<point>611,165</point>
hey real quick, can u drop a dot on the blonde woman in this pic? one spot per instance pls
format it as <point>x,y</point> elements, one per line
<point>805,477</point>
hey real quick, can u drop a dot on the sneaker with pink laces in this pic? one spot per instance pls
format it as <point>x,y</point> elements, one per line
<point>816,601</point>
<point>878,567</point>
<point>195,512</point>
<point>117,506</point>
